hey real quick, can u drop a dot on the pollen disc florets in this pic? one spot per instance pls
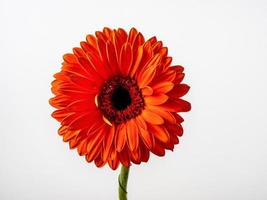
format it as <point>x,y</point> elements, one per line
<point>120,99</point>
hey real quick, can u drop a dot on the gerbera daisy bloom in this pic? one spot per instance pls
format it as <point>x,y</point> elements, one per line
<point>118,98</point>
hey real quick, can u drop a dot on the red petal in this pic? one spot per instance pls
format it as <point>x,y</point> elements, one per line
<point>178,91</point>
<point>126,58</point>
<point>132,34</point>
<point>144,152</point>
<point>178,118</point>
<point>112,57</point>
<point>82,105</point>
<point>179,78</point>
<point>177,68</point>
<point>158,150</point>
<point>123,156</point>
<point>152,40</point>
<point>176,129</point>
<point>178,105</point>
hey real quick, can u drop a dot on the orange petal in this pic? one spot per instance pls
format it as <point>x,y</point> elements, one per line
<point>147,91</point>
<point>69,135</point>
<point>91,40</point>
<point>59,101</point>
<point>95,143</point>
<point>159,132</point>
<point>164,114</point>
<point>61,114</point>
<point>62,130</point>
<point>140,122</point>
<point>151,117</point>
<point>163,51</point>
<point>108,142</point>
<point>114,161</point>
<point>146,137</point>
<point>70,58</point>
<point>107,31</point>
<point>99,162</point>
<point>169,76</point>
<point>146,77</point>
<point>132,134</point>
<point>152,63</point>
<point>75,69</point>
<point>137,61</point>
<point>156,99</point>
<point>146,57</point>
<point>82,147</point>
<point>136,156</point>
<point>163,87</point>
<point>138,41</point>
<point>120,139</point>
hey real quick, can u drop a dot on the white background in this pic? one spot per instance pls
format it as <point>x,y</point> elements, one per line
<point>223,46</point>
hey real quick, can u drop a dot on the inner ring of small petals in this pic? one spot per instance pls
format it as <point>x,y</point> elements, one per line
<point>120,99</point>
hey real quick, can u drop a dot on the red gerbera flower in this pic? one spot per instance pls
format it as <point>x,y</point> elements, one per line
<point>117,98</point>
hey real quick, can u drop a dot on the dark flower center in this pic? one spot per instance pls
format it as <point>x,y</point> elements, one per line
<point>120,99</point>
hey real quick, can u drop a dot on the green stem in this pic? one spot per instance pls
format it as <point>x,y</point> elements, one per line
<point>123,178</point>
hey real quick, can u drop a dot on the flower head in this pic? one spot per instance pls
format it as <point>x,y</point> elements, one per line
<point>118,97</point>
